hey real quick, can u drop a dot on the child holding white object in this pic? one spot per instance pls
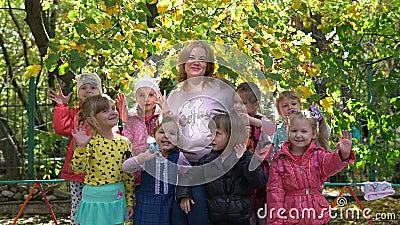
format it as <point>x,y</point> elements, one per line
<point>157,190</point>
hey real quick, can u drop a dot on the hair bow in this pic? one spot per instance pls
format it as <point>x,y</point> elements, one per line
<point>315,112</point>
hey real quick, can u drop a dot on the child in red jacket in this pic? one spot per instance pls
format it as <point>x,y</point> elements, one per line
<point>300,168</point>
<point>64,120</point>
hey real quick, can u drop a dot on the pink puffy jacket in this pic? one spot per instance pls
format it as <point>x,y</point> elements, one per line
<point>64,121</point>
<point>137,131</point>
<point>293,193</point>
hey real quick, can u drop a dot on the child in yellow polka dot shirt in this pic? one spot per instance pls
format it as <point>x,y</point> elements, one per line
<point>108,194</point>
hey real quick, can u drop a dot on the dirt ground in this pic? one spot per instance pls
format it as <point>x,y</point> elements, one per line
<point>384,211</point>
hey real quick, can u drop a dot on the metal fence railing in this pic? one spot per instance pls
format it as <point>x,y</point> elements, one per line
<point>48,149</point>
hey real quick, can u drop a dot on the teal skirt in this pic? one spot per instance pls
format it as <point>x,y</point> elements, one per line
<point>102,205</point>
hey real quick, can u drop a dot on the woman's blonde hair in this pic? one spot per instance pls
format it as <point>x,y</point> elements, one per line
<point>184,57</point>
<point>92,105</point>
<point>320,127</point>
<point>232,125</point>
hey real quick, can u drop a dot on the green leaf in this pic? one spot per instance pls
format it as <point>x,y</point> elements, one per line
<point>72,15</point>
<point>110,3</point>
<point>252,22</point>
<point>267,61</point>
<point>63,69</point>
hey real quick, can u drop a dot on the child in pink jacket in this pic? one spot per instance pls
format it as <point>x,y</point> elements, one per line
<point>64,120</point>
<point>300,168</point>
<point>139,124</point>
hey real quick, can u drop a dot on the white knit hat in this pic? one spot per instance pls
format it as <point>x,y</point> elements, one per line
<point>147,81</point>
<point>88,78</point>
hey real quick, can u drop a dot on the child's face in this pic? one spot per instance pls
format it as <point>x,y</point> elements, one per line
<point>86,90</point>
<point>243,105</point>
<point>220,140</point>
<point>197,63</point>
<point>287,104</point>
<point>107,118</point>
<point>167,136</point>
<point>146,98</point>
<point>300,134</point>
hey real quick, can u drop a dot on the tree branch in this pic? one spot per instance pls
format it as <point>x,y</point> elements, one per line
<point>33,18</point>
<point>379,60</point>
<point>21,37</point>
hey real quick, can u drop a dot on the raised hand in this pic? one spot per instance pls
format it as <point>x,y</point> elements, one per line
<point>239,149</point>
<point>146,156</point>
<point>344,144</point>
<point>263,153</point>
<point>122,106</point>
<point>59,97</point>
<point>161,99</point>
<point>82,134</point>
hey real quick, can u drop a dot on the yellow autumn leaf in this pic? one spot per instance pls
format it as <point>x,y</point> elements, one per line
<point>214,26</point>
<point>307,23</point>
<point>93,27</point>
<point>219,40</point>
<point>32,71</point>
<point>352,10</point>
<point>178,14</point>
<point>107,24</point>
<point>125,84</point>
<point>103,6</point>
<point>306,52</point>
<point>62,47</point>
<point>111,75</point>
<point>166,21</point>
<point>305,91</point>
<point>241,43</point>
<point>77,46</point>
<point>296,5</point>
<point>223,76</point>
<point>354,25</point>
<point>248,4</point>
<point>327,104</point>
<point>271,30</point>
<point>139,63</point>
<point>277,53</point>
<point>162,6</point>
<point>221,17</point>
<point>118,37</point>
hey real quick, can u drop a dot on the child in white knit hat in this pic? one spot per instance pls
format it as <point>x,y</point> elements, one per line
<point>64,120</point>
<point>140,123</point>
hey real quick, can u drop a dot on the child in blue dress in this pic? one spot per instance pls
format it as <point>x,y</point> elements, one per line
<point>156,193</point>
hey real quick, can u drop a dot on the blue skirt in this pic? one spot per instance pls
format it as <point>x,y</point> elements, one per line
<point>102,205</point>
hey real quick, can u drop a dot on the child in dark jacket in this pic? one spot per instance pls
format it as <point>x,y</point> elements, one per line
<point>225,170</point>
